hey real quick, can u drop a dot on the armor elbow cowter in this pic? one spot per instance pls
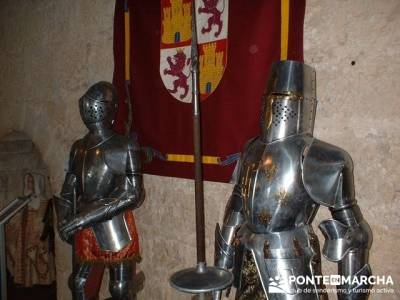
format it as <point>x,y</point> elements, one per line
<point>225,236</point>
<point>348,240</point>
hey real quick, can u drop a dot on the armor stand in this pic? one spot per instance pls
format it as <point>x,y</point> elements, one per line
<point>201,279</point>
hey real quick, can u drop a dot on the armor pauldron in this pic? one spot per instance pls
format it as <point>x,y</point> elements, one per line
<point>340,238</point>
<point>328,175</point>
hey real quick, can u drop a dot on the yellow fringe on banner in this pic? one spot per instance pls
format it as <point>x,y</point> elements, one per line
<point>285,8</point>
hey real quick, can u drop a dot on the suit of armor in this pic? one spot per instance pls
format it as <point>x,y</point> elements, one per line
<point>284,176</point>
<point>103,185</point>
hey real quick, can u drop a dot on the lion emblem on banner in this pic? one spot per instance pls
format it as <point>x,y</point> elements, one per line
<point>177,64</point>
<point>175,45</point>
<point>211,7</point>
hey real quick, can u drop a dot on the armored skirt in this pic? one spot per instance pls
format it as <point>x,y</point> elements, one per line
<point>87,249</point>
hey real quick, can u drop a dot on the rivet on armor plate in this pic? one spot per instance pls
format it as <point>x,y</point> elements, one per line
<point>282,196</point>
<point>298,251</point>
<point>266,249</point>
<point>264,217</point>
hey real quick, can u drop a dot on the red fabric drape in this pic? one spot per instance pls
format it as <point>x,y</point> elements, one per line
<point>230,116</point>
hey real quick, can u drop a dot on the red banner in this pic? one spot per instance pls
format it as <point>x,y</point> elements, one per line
<point>260,32</point>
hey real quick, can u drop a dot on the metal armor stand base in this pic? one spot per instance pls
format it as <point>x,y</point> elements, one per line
<point>201,280</point>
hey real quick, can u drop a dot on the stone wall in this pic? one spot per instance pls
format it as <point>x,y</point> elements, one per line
<point>51,51</point>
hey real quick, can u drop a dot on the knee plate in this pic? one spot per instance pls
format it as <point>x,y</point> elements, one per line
<point>121,289</point>
<point>340,238</point>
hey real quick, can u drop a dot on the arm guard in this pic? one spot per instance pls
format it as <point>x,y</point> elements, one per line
<point>64,205</point>
<point>224,238</point>
<point>328,178</point>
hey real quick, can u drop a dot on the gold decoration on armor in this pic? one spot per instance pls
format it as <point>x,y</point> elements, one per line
<point>211,68</point>
<point>245,179</point>
<point>250,284</point>
<point>177,22</point>
<point>282,196</point>
<point>264,217</point>
<point>269,167</point>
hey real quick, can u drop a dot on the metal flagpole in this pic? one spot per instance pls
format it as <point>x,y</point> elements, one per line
<point>201,279</point>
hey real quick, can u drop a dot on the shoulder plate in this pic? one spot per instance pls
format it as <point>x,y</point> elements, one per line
<point>328,175</point>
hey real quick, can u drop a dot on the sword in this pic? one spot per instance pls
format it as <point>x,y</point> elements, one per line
<point>202,279</point>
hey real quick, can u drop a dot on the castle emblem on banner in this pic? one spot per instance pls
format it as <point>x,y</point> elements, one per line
<point>175,45</point>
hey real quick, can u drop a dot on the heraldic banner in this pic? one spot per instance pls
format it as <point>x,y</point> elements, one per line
<point>238,41</point>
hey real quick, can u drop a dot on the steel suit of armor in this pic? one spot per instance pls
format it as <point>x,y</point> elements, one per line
<point>284,175</point>
<point>104,180</point>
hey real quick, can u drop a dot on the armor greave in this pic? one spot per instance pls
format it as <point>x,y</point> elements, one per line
<point>121,284</point>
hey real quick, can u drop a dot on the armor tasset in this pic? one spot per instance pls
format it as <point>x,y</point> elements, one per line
<point>285,175</point>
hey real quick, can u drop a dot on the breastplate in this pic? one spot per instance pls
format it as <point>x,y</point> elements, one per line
<point>273,191</point>
<point>95,179</point>
<point>99,170</point>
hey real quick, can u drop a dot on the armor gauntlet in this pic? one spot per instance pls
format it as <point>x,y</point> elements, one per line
<point>348,240</point>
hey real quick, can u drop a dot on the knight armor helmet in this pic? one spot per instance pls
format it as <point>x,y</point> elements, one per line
<point>99,104</point>
<point>290,103</point>
<point>284,176</point>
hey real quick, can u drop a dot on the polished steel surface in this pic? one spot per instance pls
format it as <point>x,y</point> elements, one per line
<point>274,196</point>
<point>117,229</point>
<point>285,176</point>
<point>201,279</point>
<point>77,281</point>
<point>122,286</point>
<point>292,77</point>
<point>283,254</point>
<point>289,104</point>
<point>224,238</point>
<point>102,182</point>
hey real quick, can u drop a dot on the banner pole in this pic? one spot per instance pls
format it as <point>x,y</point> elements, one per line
<point>202,279</point>
<point>198,179</point>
